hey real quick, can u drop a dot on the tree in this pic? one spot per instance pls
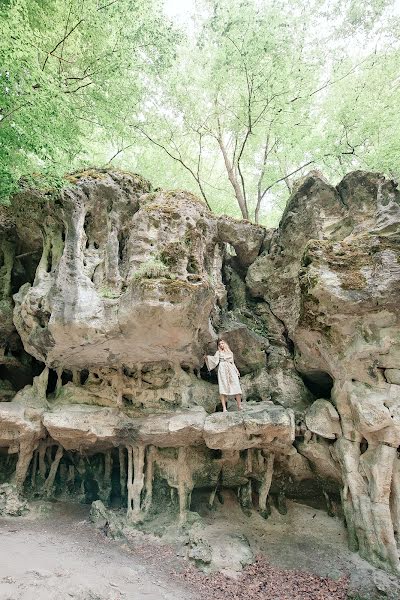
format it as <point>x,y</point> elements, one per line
<point>244,106</point>
<point>69,70</point>
<point>252,95</point>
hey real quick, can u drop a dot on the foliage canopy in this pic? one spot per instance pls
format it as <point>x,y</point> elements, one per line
<point>234,105</point>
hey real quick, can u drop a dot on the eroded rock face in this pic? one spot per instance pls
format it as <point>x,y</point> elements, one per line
<point>134,274</point>
<point>112,293</point>
<point>336,287</point>
<point>11,503</point>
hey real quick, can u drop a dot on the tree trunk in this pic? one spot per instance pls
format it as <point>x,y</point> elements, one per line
<point>234,181</point>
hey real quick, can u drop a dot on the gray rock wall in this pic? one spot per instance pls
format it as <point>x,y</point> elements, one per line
<point>110,295</point>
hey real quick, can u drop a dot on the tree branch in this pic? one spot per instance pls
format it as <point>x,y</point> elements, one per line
<point>119,152</point>
<point>330,82</point>
<point>7,115</point>
<point>79,88</point>
<point>61,42</point>
<point>72,30</point>
<point>310,162</point>
<point>65,32</point>
<point>177,159</point>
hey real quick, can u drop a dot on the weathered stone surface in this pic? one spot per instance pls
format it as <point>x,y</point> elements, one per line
<point>7,256</point>
<point>323,419</point>
<point>392,376</point>
<point>208,550</point>
<point>376,586</point>
<point>281,384</point>
<point>314,211</point>
<point>18,425</point>
<point>88,427</point>
<point>249,347</point>
<point>245,237</point>
<point>137,273</point>
<point>332,276</point>
<point>263,426</point>
<point>11,502</point>
<point>372,202</point>
<point>105,520</point>
<point>319,454</point>
<point>120,291</point>
<point>178,429</point>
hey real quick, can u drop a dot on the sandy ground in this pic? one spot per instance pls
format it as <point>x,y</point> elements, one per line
<point>58,555</point>
<point>305,538</point>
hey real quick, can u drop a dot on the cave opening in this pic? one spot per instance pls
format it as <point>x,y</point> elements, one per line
<point>18,368</point>
<point>320,383</point>
<point>117,494</point>
<point>51,382</point>
<point>24,268</point>
<point>122,242</point>
<point>66,376</point>
<point>49,262</point>
<point>254,397</point>
<point>91,488</point>
<point>8,463</point>
<point>80,477</point>
<point>232,274</point>
<point>210,376</point>
<point>83,376</point>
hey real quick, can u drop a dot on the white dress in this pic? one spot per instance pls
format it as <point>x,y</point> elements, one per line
<point>228,378</point>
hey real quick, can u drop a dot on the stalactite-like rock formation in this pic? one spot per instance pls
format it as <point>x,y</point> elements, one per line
<point>110,295</point>
<point>335,262</point>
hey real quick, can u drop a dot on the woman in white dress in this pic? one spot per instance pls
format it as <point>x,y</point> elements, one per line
<point>228,374</point>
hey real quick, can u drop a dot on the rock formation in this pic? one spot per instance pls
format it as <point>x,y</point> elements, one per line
<point>110,295</point>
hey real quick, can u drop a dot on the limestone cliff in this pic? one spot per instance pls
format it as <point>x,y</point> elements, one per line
<point>110,295</point>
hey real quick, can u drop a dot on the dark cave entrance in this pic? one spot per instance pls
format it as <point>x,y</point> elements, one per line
<point>17,367</point>
<point>80,477</point>
<point>320,383</point>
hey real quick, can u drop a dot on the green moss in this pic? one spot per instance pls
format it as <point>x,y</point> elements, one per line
<point>165,208</point>
<point>87,174</point>
<point>184,195</point>
<point>149,197</point>
<point>188,238</point>
<point>179,284</point>
<point>172,254</point>
<point>102,174</point>
<point>152,269</point>
<point>353,281</point>
<point>191,237</point>
<point>107,292</point>
<point>169,201</point>
<point>235,220</point>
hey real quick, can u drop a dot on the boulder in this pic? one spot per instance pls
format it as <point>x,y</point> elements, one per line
<point>249,346</point>
<point>261,426</point>
<point>245,237</point>
<point>80,427</point>
<point>11,502</point>
<point>137,272</point>
<point>392,376</point>
<point>323,419</point>
<point>106,520</point>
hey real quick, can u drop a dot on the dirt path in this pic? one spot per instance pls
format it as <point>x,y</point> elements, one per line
<point>61,557</point>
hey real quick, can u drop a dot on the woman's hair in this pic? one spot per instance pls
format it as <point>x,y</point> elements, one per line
<point>225,342</point>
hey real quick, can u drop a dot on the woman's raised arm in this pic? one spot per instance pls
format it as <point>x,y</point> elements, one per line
<point>212,361</point>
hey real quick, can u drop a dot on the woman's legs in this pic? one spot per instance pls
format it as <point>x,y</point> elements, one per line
<point>223,402</point>
<point>239,401</point>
